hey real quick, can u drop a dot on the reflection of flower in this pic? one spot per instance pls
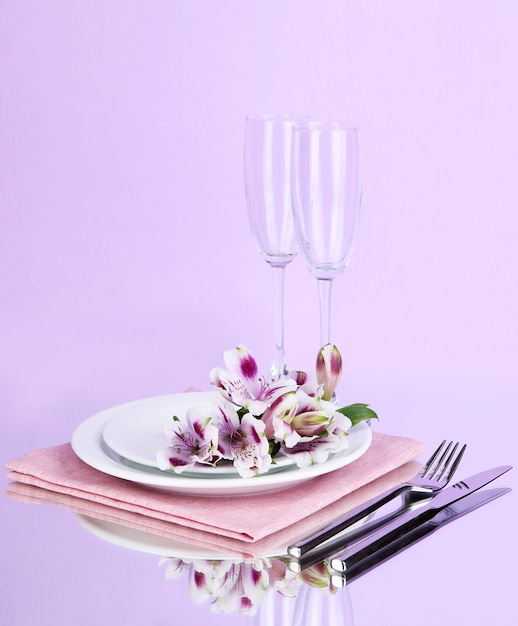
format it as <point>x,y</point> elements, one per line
<point>241,586</point>
<point>251,420</point>
<point>319,576</point>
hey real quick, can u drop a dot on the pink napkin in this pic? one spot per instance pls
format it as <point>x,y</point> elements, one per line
<point>245,525</point>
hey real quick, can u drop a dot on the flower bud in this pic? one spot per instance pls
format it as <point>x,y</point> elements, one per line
<point>310,423</point>
<point>329,369</point>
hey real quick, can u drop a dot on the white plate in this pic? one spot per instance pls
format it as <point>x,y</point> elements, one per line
<point>87,442</point>
<point>137,433</point>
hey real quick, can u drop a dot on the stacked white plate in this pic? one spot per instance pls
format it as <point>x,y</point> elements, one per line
<point>123,441</point>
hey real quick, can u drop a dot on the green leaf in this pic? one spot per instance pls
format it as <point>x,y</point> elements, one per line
<point>275,446</point>
<point>241,412</point>
<point>358,413</point>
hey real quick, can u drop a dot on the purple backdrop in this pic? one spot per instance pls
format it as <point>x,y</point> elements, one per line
<point>127,266</point>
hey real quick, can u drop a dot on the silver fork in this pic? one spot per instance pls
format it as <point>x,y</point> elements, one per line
<point>435,474</point>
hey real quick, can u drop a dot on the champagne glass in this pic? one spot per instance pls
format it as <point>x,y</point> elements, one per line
<point>268,145</point>
<point>326,187</point>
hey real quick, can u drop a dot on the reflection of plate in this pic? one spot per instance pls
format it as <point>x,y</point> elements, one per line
<point>154,544</point>
<point>137,433</point>
<point>87,442</point>
<point>142,541</point>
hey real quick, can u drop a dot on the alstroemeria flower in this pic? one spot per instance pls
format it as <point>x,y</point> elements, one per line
<point>309,451</point>
<point>307,382</point>
<point>329,369</point>
<point>241,384</point>
<point>296,417</point>
<point>312,451</point>
<point>193,439</point>
<point>242,440</point>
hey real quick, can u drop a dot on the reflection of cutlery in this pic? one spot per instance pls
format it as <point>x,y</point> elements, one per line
<point>443,517</point>
<point>436,474</point>
<point>399,527</point>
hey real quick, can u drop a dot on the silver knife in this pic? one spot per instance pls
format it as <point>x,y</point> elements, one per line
<point>445,516</point>
<point>339,543</point>
<point>407,523</point>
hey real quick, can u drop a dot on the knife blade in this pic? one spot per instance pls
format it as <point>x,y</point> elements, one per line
<point>407,523</point>
<point>440,519</point>
<point>378,528</point>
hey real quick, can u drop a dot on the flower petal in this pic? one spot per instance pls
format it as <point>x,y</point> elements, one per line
<point>192,439</point>
<point>250,448</point>
<point>284,431</point>
<point>242,362</point>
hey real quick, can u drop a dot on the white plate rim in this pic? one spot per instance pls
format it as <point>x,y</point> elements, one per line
<point>87,438</point>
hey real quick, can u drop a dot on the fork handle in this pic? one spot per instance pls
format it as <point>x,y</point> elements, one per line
<point>339,543</point>
<point>298,550</point>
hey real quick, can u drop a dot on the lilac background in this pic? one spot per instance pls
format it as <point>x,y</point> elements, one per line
<point>127,266</point>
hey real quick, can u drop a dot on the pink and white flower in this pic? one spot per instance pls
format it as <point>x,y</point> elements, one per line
<point>250,420</point>
<point>309,427</point>
<point>242,439</point>
<point>307,382</point>
<point>242,385</point>
<point>295,416</point>
<point>193,439</point>
<point>309,451</point>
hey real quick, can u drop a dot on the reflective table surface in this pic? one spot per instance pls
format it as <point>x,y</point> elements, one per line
<point>59,568</point>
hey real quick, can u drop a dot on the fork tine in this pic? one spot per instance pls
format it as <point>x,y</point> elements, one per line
<point>441,460</point>
<point>444,464</point>
<point>455,464</point>
<point>431,460</point>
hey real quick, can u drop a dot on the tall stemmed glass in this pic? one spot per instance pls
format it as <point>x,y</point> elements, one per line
<point>326,186</point>
<point>268,145</point>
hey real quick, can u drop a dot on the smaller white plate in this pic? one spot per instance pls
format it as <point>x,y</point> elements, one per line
<point>137,433</point>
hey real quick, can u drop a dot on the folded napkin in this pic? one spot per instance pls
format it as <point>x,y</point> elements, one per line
<point>247,525</point>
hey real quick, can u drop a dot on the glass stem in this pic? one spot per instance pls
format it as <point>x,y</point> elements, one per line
<point>279,369</point>
<point>324,293</point>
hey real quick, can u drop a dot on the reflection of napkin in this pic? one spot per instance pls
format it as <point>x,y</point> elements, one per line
<point>247,525</point>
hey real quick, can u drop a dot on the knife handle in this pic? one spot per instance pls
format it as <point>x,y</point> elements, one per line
<point>298,550</point>
<point>340,542</point>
